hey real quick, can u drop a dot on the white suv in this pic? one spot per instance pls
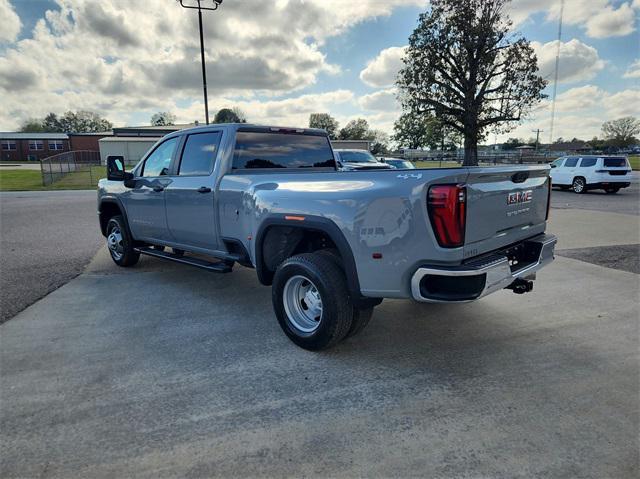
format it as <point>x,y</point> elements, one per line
<point>582,173</point>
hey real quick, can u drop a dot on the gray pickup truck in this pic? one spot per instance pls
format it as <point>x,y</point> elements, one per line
<point>331,243</point>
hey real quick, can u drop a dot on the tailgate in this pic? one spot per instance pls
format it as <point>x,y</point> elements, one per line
<point>504,205</point>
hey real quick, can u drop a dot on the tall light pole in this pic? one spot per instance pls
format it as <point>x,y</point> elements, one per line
<point>198,6</point>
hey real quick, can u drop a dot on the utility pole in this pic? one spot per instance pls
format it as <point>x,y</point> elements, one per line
<point>555,80</point>
<point>214,6</point>
<point>537,132</point>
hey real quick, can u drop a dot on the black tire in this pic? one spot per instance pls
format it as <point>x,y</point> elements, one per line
<point>120,243</point>
<point>361,318</point>
<point>579,185</point>
<point>328,280</point>
<point>611,191</point>
<point>361,315</point>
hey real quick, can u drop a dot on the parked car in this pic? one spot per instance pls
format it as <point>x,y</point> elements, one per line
<point>331,244</point>
<point>398,163</point>
<point>583,173</point>
<point>348,160</point>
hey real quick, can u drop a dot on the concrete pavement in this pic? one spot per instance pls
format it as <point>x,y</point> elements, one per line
<point>166,371</point>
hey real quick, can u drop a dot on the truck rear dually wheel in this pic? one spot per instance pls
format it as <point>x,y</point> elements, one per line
<point>311,301</point>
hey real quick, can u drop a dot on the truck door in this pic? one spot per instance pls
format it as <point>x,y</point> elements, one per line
<point>145,201</point>
<point>190,196</point>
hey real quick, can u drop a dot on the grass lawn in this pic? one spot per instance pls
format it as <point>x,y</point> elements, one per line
<point>20,180</point>
<point>437,164</point>
<point>634,160</point>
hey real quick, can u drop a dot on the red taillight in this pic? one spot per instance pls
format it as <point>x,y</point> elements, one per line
<point>446,205</point>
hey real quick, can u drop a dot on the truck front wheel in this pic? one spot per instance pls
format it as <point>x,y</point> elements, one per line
<point>311,301</point>
<point>119,243</point>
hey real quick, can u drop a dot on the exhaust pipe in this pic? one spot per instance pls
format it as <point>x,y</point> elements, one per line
<point>521,286</point>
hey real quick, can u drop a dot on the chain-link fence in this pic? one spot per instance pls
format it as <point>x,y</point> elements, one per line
<point>78,168</point>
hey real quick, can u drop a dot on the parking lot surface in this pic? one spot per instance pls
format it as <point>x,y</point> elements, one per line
<point>166,371</point>
<point>46,238</point>
<point>626,201</point>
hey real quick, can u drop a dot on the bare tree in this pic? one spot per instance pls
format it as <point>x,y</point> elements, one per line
<point>464,65</point>
<point>621,132</point>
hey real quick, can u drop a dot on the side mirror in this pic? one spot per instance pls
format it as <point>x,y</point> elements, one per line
<point>553,166</point>
<point>115,170</point>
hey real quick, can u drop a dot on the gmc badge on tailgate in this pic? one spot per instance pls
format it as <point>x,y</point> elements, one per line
<point>519,197</point>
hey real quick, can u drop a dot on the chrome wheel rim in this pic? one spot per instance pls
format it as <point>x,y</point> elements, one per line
<point>115,243</point>
<point>303,304</point>
<point>578,185</point>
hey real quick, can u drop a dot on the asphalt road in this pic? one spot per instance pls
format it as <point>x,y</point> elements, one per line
<point>626,201</point>
<point>46,238</point>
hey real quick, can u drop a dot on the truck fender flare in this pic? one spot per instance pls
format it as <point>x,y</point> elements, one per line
<point>114,200</point>
<point>315,223</point>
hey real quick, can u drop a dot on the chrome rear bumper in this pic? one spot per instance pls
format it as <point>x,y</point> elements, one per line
<point>484,275</point>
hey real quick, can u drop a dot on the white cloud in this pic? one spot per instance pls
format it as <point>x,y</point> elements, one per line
<point>578,61</point>
<point>611,22</point>
<point>580,113</point>
<point>624,103</point>
<point>118,58</point>
<point>11,24</point>
<point>634,69</point>
<point>382,100</point>
<point>600,18</point>
<point>383,69</point>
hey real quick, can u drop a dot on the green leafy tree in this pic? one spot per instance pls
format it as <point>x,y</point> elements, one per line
<point>33,125</point>
<point>410,131</point>
<point>380,143</point>
<point>83,122</point>
<point>464,65</point>
<point>357,129</point>
<point>325,122</point>
<point>163,118</point>
<point>71,122</point>
<point>621,132</point>
<point>230,115</point>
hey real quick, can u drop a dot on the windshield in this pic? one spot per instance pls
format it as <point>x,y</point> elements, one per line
<point>357,157</point>
<point>615,162</point>
<point>400,163</point>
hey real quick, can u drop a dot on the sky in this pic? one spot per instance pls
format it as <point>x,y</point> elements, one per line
<point>280,60</point>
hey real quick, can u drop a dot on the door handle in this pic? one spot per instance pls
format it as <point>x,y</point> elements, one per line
<point>158,188</point>
<point>204,189</point>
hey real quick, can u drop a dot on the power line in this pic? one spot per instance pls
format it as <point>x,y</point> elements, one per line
<point>555,81</point>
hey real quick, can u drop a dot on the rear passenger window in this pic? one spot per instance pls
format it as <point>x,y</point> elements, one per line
<point>199,153</point>
<point>281,150</point>
<point>587,162</point>
<point>615,162</point>
<point>571,162</point>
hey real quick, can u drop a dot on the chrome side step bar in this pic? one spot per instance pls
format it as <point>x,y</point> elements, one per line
<point>223,266</point>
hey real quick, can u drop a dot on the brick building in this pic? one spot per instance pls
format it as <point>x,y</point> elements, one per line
<point>36,146</point>
<point>32,146</point>
<point>87,141</point>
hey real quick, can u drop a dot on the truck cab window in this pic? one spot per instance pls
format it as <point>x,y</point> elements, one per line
<point>199,154</point>
<point>281,150</point>
<point>157,164</point>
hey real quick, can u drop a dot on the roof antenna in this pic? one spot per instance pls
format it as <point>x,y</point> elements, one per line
<point>555,80</point>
